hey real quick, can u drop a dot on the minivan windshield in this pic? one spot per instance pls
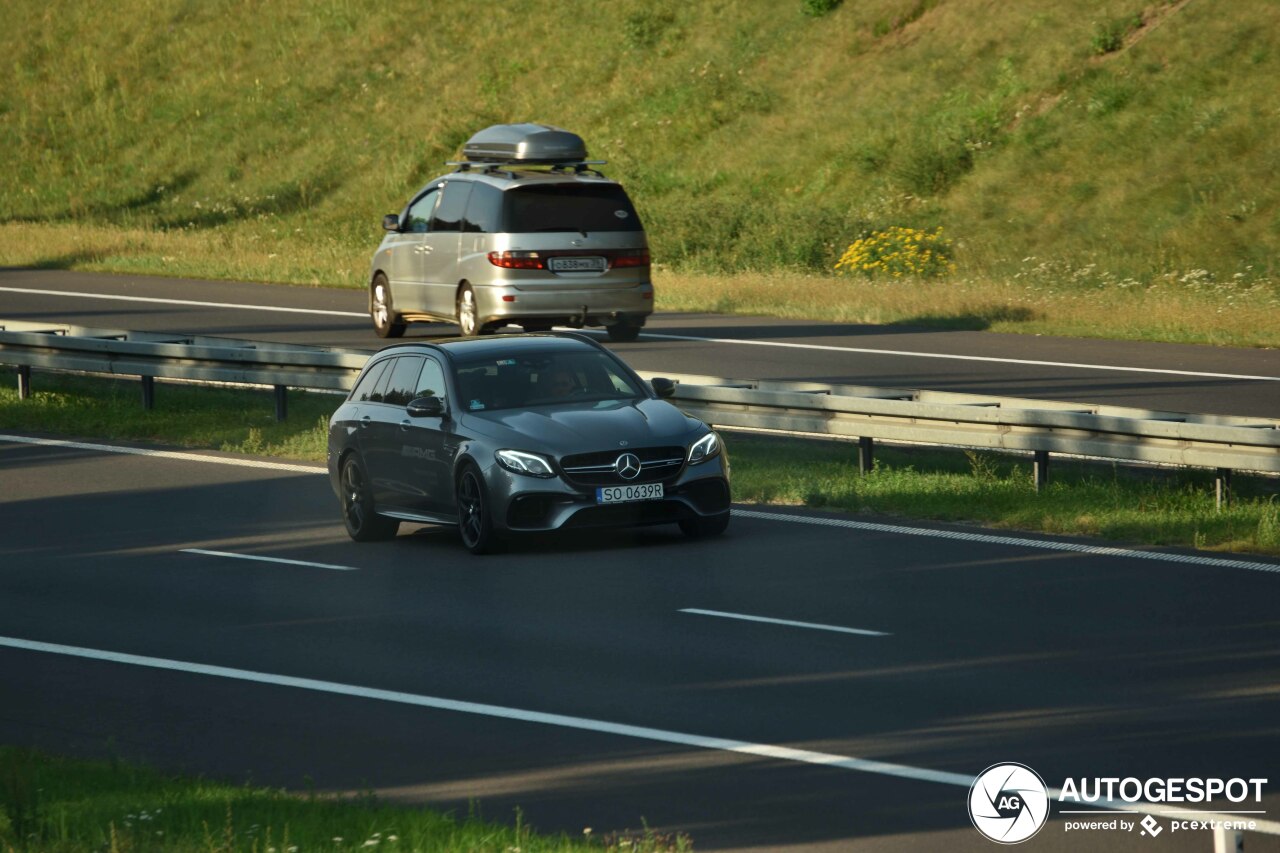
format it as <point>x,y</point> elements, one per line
<point>569,207</point>
<point>544,378</point>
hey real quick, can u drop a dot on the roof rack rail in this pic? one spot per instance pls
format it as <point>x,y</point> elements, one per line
<point>507,167</point>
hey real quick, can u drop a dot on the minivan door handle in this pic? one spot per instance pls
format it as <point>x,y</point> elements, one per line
<point>365,421</point>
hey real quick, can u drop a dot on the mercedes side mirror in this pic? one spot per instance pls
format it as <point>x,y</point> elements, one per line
<point>427,407</point>
<point>663,386</point>
<point>391,222</point>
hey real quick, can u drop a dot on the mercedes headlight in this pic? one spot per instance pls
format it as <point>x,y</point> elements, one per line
<point>529,464</point>
<point>704,448</point>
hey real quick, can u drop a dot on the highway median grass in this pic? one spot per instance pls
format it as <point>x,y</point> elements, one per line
<point>1095,169</point>
<point>1161,507</point>
<point>63,805</point>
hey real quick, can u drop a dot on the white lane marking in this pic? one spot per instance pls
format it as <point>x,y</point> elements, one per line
<point>811,625</point>
<point>1019,542</point>
<point>663,336</point>
<point>760,750</point>
<point>850,524</point>
<point>740,747</point>
<point>242,462</point>
<point>189,302</point>
<point>953,357</point>
<point>261,559</point>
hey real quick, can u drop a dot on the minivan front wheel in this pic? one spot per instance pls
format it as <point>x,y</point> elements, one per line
<point>385,320</point>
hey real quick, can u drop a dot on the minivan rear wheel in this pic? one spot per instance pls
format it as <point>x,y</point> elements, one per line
<point>385,320</point>
<point>623,332</point>
<point>468,314</point>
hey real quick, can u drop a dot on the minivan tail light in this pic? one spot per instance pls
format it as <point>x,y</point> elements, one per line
<point>518,260</point>
<point>631,258</point>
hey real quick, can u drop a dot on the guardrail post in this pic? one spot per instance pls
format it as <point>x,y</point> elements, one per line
<point>1040,469</point>
<point>1222,488</point>
<point>24,382</point>
<point>1227,840</point>
<point>282,402</point>
<point>866,455</point>
<point>148,392</point>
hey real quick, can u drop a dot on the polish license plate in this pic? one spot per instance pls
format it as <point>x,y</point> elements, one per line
<point>596,264</point>
<point>627,494</point>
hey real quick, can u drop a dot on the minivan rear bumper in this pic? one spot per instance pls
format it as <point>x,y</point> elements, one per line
<point>584,306</point>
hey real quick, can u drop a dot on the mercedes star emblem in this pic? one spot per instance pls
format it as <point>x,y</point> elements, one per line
<point>627,466</point>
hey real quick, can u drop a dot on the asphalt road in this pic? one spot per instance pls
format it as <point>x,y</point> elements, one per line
<point>1168,377</point>
<point>990,649</point>
<point>571,677</point>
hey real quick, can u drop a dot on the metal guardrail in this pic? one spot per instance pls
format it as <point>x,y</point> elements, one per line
<point>810,409</point>
<point>863,413</point>
<point>1042,427</point>
<point>151,355</point>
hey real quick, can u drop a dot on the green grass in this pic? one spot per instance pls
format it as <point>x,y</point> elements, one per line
<point>1168,507</point>
<point>1171,508</point>
<point>61,805</point>
<point>228,419</point>
<point>1083,148</point>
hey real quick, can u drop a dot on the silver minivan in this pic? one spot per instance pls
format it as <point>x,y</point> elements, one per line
<point>525,231</point>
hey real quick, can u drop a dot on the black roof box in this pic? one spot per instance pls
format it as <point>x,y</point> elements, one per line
<point>525,143</point>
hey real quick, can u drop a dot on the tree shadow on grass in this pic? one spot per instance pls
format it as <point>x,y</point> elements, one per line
<point>977,320</point>
<point>147,208</point>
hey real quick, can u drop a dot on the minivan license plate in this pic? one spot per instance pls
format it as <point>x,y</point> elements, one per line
<point>577,264</point>
<point>626,494</point>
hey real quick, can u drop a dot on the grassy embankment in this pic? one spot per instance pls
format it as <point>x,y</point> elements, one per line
<point>59,805</point>
<point>1099,167</point>
<point>1159,508</point>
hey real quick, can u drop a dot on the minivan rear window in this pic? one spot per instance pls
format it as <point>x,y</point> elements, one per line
<point>569,207</point>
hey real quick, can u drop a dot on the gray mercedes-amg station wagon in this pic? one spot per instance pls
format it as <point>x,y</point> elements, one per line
<point>515,433</point>
<point>525,231</point>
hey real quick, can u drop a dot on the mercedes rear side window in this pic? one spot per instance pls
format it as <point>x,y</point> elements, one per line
<point>569,207</point>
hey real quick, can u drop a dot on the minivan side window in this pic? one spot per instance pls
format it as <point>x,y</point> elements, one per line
<point>484,210</point>
<point>418,218</point>
<point>449,212</point>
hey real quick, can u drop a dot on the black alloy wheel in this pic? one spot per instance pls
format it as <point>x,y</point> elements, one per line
<point>475,518</point>
<point>362,520</point>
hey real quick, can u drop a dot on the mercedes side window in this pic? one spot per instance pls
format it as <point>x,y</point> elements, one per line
<point>448,215</point>
<point>431,381</point>
<point>380,390</point>
<point>404,379</point>
<point>363,392</point>
<point>484,210</point>
<point>418,218</point>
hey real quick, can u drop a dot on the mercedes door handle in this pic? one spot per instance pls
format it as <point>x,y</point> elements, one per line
<point>365,421</point>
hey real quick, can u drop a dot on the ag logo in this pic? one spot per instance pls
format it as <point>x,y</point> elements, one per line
<point>1008,803</point>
